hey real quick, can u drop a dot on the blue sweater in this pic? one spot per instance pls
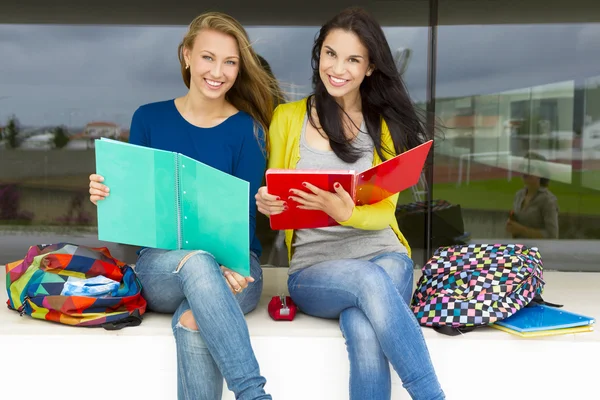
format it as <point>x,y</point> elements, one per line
<point>232,146</point>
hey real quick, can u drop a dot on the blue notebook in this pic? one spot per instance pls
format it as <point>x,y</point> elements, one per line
<point>165,200</point>
<point>543,318</point>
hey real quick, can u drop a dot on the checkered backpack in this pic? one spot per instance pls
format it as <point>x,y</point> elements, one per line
<point>75,285</point>
<point>463,287</point>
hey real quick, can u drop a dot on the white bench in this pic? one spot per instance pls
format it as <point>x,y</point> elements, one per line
<point>303,359</point>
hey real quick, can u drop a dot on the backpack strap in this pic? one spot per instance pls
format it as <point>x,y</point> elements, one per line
<point>452,331</point>
<point>538,300</point>
<point>135,319</point>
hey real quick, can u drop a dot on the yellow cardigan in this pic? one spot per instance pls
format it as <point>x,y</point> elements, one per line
<point>284,153</point>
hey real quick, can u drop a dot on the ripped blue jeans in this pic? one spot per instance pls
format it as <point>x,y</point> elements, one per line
<point>175,281</point>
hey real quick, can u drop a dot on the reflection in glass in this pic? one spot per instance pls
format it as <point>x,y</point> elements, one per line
<point>590,138</point>
<point>520,103</point>
<point>534,213</point>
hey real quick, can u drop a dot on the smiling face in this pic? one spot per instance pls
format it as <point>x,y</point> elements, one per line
<point>343,64</point>
<point>214,63</point>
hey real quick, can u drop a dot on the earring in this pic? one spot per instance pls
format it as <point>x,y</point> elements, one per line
<point>187,66</point>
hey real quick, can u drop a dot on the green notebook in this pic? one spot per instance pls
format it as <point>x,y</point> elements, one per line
<point>166,200</point>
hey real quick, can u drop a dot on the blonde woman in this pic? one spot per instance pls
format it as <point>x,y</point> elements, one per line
<point>221,121</point>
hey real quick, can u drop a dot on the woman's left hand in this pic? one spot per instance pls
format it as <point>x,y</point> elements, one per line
<point>236,282</point>
<point>338,205</point>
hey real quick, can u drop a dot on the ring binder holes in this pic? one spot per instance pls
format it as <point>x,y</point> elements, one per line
<point>184,217</point>
<point>184,192</point>
<point>182,166</point>
<point>186,242</point>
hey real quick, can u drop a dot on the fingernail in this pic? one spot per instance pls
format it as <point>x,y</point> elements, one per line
<point>337,185</point>
<point>304,184</point>
<point>278,198</point>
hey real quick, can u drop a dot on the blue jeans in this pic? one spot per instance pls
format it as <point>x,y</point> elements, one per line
<point>370,299</point>
<point>179,280</point>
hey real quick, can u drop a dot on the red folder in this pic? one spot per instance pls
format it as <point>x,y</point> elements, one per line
<point>368,187</point>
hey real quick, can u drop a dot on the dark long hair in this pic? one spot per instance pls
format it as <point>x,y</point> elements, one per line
<point>383,94</point>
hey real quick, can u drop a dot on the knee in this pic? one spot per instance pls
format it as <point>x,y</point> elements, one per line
<point>374,280</point>
<point>188,338</point>
<point>198,261</point>
<point>200,272</point>
<point>375,294</point>
<point>397,267</point>
<point>187,321</point>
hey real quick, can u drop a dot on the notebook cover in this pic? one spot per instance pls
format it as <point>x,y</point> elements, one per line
<point>279,183</point>
<point>542,318</point>
<point>552,332</point>
<point>135,212</point>
<point>215,214</point>
<point>391,176</point>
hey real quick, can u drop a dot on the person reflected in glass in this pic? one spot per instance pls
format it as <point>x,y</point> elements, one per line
<point>221,121</point>
<point>535,208</point>
<point>360,272</point>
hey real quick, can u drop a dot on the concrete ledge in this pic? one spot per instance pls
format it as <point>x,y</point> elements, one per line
<point>303,359</point>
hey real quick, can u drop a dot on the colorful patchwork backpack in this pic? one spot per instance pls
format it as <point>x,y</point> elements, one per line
<point>75,285</point>
<point>478,284</point>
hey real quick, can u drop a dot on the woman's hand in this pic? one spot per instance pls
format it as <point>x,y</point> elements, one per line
<point>236,282</point>
<point>268,204</point>
<point>98,191</point>
<point>338,205</point>
<point>514,227</point>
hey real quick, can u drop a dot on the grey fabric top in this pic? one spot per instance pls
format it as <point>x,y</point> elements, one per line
<point>312,246</point>
<point>541,212</point>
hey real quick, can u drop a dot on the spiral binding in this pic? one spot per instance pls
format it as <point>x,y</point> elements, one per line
<point>178,201</point>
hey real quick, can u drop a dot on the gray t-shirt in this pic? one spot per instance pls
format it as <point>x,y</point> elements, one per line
<point>312,246</point>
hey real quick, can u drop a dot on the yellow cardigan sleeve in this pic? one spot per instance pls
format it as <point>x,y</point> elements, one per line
<point>373,217</point>
<point>277,139</point>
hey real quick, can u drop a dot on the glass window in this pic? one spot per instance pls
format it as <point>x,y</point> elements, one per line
<point>520,108</point>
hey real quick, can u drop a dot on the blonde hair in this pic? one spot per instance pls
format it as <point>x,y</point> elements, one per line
<point>254,89</point>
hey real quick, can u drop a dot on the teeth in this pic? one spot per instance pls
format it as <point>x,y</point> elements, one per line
<point>336,80</point>
<point>213,83</point>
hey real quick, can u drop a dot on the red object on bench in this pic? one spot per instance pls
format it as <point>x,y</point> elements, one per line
<point>282,308</point>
